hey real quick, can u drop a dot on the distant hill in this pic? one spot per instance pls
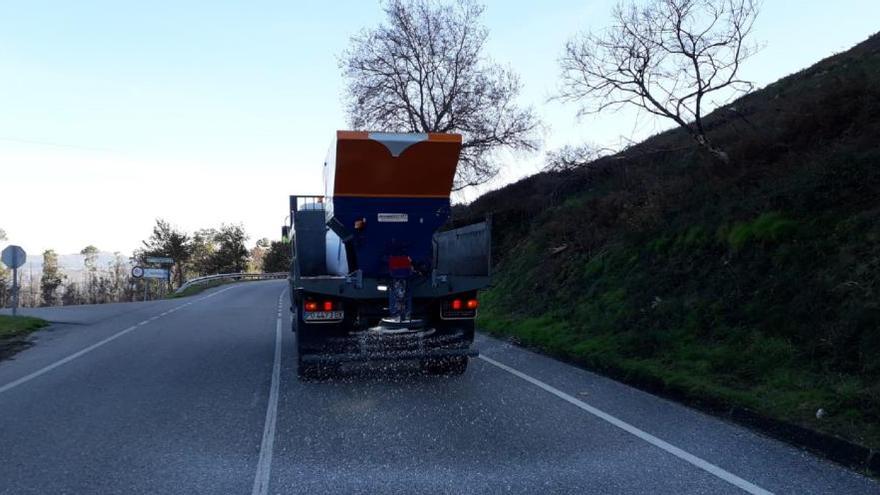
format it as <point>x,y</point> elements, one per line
<point>71,264</point>
<point>755,284</point>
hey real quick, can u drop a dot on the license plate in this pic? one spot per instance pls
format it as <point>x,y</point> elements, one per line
<point>393,217</point>
<point>324,315</point>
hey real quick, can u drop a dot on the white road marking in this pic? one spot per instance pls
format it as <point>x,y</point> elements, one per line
<point>623,425</point>
<point>66,360</point>
<point>264,464</point>
<point>82,352</point>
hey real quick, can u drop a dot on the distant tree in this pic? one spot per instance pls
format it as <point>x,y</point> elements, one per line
<point>231,255</point>
<point>90,261</point>
<point>425,70</point>
<point>51,279</point>
<point>104,290</point>
<point>258,252</point>
<point>90,257</point>
<point>204,245</point>
<point>119,276</point>
<point>4,277</point>
<point>5,291</point>
<point>667,57</point>
<point>71,295</point>
<point>571,157</point>
<point>168,241</point>
<point>277,257</point>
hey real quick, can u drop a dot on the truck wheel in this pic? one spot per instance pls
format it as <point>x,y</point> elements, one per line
<point>454,366</point>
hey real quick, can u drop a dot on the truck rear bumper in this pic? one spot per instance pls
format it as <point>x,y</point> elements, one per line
<point>388,356</point>
<point>369,346</point>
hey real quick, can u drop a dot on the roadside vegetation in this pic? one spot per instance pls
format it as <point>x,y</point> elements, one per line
<point>752,282</point>
<point>105,278</point>
<point>19,326</point>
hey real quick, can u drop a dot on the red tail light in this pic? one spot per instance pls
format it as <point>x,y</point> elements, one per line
<point>459,309</point>
<point>311,306</point>
<point>328,305</point>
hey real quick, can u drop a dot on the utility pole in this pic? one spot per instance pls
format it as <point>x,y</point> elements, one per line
<point>14,291</point>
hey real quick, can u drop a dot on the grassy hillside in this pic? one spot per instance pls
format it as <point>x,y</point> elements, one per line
<point>755,284</point>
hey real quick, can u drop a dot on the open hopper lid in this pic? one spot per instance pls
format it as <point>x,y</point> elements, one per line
<point>379,164</point>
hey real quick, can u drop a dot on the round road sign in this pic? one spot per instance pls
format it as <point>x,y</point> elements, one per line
<point>13,256</point>
<point>137,272</point>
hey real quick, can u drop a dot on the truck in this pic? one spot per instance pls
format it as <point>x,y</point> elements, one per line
<point>376,272</point>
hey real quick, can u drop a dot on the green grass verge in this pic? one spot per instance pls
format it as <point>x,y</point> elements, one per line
<point>695,372</point>
<point>17,326</point>
<point>775,315</point>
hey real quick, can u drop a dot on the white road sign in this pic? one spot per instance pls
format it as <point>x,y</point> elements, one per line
<point>160,260</point>
<point>155,273</point>
<point>137,272</point>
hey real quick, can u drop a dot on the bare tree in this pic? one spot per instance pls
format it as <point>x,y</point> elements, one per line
<point>424,71</point>
<point>666,57</point>
<point>571,157</point>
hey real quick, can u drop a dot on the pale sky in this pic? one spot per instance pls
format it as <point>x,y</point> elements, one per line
<point>113,113</point>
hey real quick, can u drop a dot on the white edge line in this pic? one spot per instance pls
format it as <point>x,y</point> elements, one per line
<point>623,425</point>
<point>264,464</point>
<point>82,352</point>
<point>66,360</point>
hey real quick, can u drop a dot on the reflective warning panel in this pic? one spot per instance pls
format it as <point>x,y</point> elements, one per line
<point>382,164</point>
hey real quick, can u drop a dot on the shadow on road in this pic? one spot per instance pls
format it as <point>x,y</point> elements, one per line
<point>10,347</point>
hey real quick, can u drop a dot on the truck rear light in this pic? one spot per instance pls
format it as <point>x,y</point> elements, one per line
<point>322,311</point>
<point>459,309</point>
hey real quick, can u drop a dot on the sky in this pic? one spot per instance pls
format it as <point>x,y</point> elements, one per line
<point>114,113</point>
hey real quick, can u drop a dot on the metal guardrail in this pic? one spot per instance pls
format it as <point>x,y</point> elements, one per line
<point>230,276</point>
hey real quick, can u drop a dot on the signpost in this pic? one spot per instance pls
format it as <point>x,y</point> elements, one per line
<point>147,273</point>
<point>14,257</point>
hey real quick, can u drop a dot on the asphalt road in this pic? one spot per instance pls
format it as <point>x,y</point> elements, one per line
<point>199,395</point>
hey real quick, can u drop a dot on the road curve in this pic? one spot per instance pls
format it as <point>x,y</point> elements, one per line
<point>199,395</point>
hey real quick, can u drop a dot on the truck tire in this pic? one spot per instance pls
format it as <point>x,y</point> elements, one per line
<point>453,366</point>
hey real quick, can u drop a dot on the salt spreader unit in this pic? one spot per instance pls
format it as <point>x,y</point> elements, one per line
<point>374,277</point>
